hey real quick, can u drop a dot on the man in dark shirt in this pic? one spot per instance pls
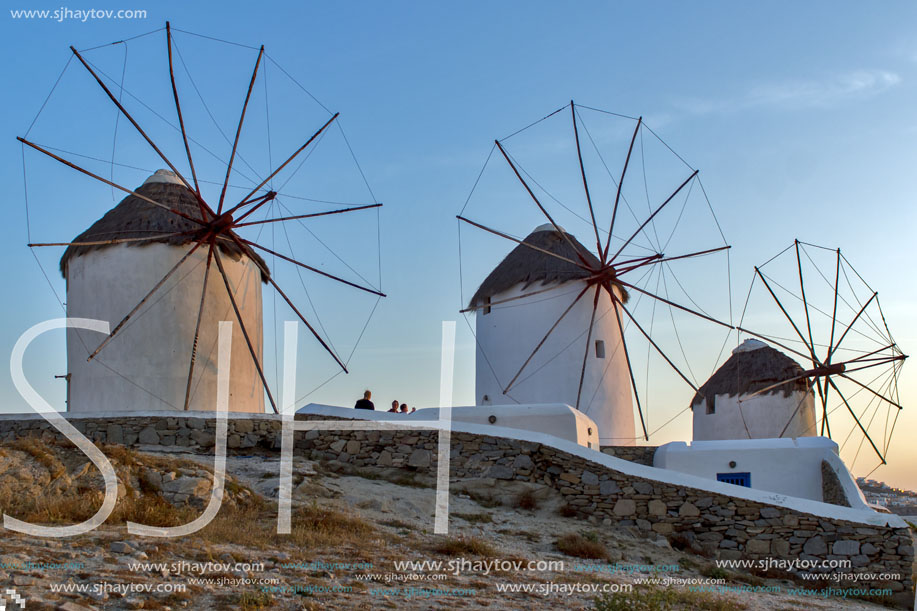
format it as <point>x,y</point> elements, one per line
<point>365,403</point>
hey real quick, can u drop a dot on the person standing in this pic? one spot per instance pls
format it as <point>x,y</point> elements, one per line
<point>365,402</point>
<point>394,406</point>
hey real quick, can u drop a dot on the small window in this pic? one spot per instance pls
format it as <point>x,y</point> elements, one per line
<point>487,305</point>
<point>711,405</point>
<point>599,349</point>
<point>739,479</point>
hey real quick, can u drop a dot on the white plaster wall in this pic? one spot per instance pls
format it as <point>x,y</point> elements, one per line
<point>787,466</point>
<point>145,367</point>
<point>765,416</point>
<point>508,334</point>
<point>561,421</point>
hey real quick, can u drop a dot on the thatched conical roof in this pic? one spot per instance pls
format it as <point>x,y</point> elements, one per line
<point>136,218</point>
<point>753,365</point>
<point>526,266</point>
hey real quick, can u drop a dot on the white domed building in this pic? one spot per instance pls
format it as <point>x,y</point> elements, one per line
<point>730,405</point>
<point>507,333</point>
<point>145,366</point>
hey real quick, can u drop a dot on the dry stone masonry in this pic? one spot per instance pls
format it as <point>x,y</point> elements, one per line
<point>708,523</point>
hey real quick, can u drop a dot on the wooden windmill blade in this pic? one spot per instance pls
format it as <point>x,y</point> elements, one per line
<point>169,209</point>
<point>607,275</point>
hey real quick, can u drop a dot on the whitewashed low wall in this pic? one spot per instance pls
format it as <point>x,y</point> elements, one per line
<point>787,466</point>
<point>555,419</point>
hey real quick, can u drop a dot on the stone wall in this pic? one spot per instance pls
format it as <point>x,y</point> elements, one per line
<point>709,523</point>
<point>642,455</point>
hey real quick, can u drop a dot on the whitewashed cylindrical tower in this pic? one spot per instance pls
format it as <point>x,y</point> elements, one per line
<point>146,365</point>
<point>744,399</point>
<point>508,333</point>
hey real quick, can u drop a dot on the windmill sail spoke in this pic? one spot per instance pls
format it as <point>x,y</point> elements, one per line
<point>630,369</point>
<point>235,143</point>
<point>260,201</point>
<point>128,116</point>
<point>654,344</point>
<point>870,390</point>
<point>248,341</point>
<point>307,216</point>
<point>289,159</point>
<point>823,395</point>
<point>857,420</point>
<point>673,304</point>
<point>837,276</point>
<point>197,326</point>
<point>181,123</point>
<point>653,215</point>
<point>312,269</point>
<point>522,242</point>
<point>508,299</point>
<point>114,240</point>
<point>528,189</point>
<point>852,322</point>
<point>295,309</point>
<point>771,340</point>
<point>110,183</point>
<point>582,169</point>
<point>147,296</point>
<point>544,339</point>
<point>582,375</point>
<point>614,212</point>
<point>787,315</point>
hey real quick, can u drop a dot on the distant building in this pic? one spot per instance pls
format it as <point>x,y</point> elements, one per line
<point>727,406</point>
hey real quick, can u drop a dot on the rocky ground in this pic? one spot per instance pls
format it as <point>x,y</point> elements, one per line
<point>349,529</point>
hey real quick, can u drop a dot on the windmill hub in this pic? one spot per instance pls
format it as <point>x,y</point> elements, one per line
<point>221,223</point>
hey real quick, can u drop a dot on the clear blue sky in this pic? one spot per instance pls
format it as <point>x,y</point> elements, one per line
<point>800,117</point>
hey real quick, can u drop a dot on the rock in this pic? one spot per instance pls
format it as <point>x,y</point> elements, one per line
<point>860,560</point>
<point>115,434</point>
<point>120,547</point>
<point>770,512</point>
<point>688,510</point>
<point>643,487</point>
<point>869,549</point>
<point>149,436</point>
<point>609,487</point>
<point>523,462</point>
<point>500,472</point>
<point>385,459</point>
<point>589,478</point>
<point>644,524</point>
<point>657,508</point>
<point>573,478</point>
<point>338,446</point>
<point>781,548</point>
<point>421,458</point>
<point>202,438</point>
<point>625,507</point>
<point>191,486</point>
<point>815,546</point>
<point>846,548</point>
<point>243,426</point>
<point>353,447</point>
<point>663,528</point>
<point>151,479</point>
<point>72,606</point>
<point>758,546</point>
